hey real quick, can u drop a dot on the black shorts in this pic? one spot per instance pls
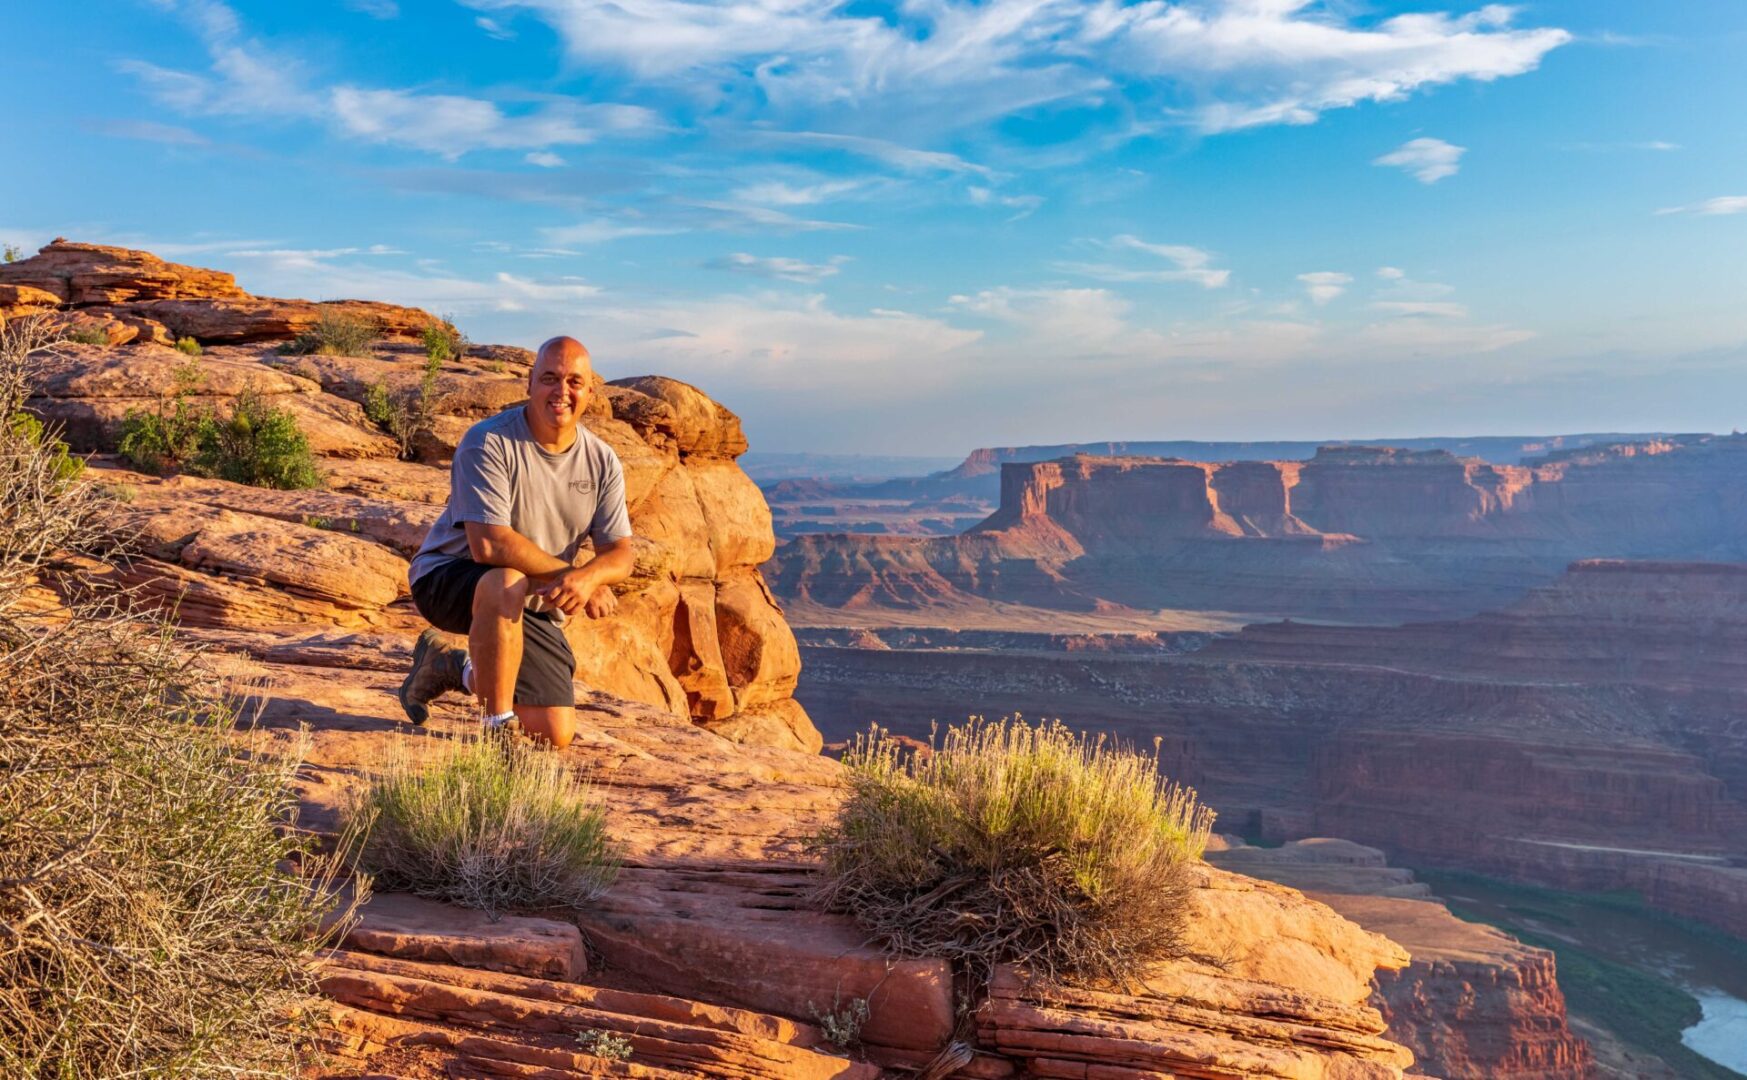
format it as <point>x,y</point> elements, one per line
<point>444,596</point>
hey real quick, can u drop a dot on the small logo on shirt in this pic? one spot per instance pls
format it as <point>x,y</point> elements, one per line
<point>582,487</point>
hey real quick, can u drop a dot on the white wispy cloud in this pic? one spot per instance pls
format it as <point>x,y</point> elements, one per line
<point>150,131</point>
<point>494,29</point>
<point>1190,264</point>
<point>904,158</point>
<point>246,77</point>
<point>1426,160</point>
<point>1324,285</point>
<point>1231,63</point>
<point>546,159</point>
<point>1022,205</point>
<point>1722,204</point>
<point>779,267</point>
<point>1391,273</point>
<point>1442,309</point>
<point>779,193</point>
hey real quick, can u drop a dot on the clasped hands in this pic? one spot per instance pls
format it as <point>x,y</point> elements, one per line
<point>571,592</point>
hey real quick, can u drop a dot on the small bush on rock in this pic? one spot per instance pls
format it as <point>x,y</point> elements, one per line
<point>256,445</point>
<point>486,824</point>
<point>88,334</point>
<point>443,342</point>
<point>335,333</point>
<point>188,345</point>
<point>1013,843</point>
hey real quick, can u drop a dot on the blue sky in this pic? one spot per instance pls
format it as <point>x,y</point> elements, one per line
<point>926,226</point>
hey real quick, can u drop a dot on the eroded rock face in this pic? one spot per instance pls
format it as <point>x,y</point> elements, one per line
<point>1369,534</point>
<point>243,559</point>
<point>138,288</point>
<point>1475,1003</point>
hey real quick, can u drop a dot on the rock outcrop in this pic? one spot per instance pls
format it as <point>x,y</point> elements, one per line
<point>1475,1004</point>
<point>697,631</point>
<point>137,296</point>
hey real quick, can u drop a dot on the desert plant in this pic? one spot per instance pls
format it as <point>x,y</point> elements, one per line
<point>1014,843</point>
<point>188,345</point>
<point>152,919</point>
<point>257,445</point>
<point>335,333</point>
<point>11,253</point>
<point>604,1044</point>
<point>487,823</point>
<point>406,414</point>
<point>86,333</point>
<point>443,342</point>
<point>842,1023</point>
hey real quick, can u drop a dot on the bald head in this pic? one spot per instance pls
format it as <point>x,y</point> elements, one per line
<point>560,350</point>
<point>558,389</point>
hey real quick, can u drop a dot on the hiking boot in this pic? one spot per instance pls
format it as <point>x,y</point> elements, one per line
<point>436,669</point>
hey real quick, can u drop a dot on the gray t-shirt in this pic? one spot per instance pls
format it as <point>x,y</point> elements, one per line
<point>501,476</point>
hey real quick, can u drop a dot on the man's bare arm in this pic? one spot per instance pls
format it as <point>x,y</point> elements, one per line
<point>500,545</point>
<point>585,587</point>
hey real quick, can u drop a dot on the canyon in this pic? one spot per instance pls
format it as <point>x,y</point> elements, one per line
<point>705,955</point>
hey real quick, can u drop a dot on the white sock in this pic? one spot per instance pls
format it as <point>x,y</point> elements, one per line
<point>467,675</point>
<point>499,720</point>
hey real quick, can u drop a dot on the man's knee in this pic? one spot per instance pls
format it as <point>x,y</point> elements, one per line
<point>502,592</point>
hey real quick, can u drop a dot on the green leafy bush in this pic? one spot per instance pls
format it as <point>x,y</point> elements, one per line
<point>443,342</point>
<point>256,445</point>
<point>188,345</point>
<point>485,823</point>
<point>407,413</point>
<point>1013,843</point>
<point>335,333</point>
<point>63,468</point>
<point>10,253</point>
<point>88,334</point>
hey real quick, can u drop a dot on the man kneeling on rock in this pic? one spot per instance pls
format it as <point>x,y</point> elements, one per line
<point>526,486</point>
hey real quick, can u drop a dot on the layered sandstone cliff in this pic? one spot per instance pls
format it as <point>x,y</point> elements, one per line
<point>1355,533</point>
<point>1475,1004</point>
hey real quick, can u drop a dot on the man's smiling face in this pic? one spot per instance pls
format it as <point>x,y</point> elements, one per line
<point>560,384</point>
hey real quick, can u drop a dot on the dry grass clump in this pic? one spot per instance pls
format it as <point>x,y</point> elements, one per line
<point>487,823</point>
<point>152,919</point>
<point>1013,843</point>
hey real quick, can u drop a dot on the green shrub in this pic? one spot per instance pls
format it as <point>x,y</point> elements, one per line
<point>443,342</point>
<point>605,1044</point>
<point>63,468</point>
<point>188,345</point>
<point>407,413</point>
<point>167,438</point>
<point>10,253</point>
<point>1009,843</point>
<point>485,823</point>
<point>88,334</point>
<point>256,445</point>
<point>335,333</point>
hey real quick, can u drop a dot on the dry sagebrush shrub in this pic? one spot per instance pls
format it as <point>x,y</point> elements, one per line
<point>152,920</point>
<point>485,822</point>
<point>1013,843</point>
